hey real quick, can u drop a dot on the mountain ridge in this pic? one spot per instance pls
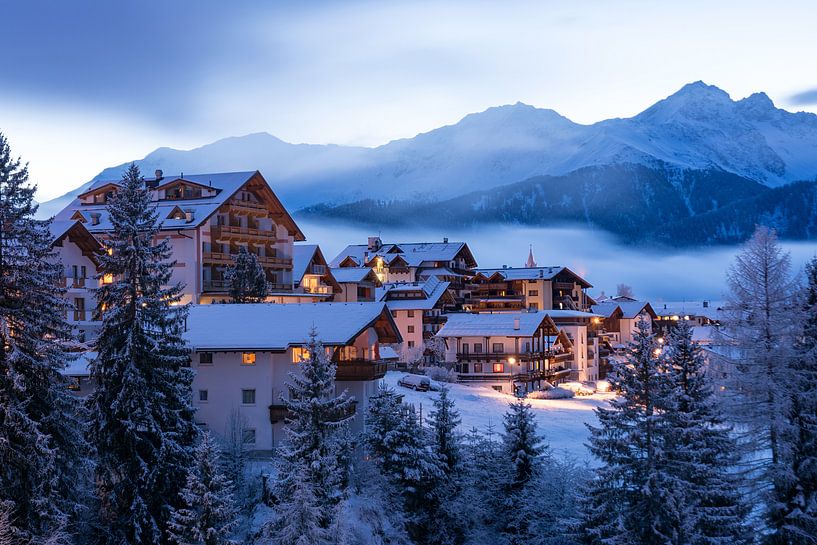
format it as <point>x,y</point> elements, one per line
<point>697,128</point>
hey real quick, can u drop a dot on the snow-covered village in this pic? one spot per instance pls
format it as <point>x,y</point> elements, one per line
<point>425,312</point>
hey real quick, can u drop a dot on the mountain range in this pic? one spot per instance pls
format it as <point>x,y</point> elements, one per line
<point>694,168</point>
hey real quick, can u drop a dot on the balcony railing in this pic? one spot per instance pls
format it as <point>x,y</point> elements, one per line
<point>221,232</point>
<point>225,258</point>
<point>521,357</point>
<point>360,370</point>
<point>86,315</point>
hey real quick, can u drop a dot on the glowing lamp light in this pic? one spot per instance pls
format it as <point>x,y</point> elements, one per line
<point>511,360</point>
<point>660,340</point>
<point>657,351</point>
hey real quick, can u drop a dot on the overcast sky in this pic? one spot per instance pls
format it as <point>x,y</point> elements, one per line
<point>85,85</point>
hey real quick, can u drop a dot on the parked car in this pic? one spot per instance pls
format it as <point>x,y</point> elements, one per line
<point>415,382</point>
<point>578,388</point>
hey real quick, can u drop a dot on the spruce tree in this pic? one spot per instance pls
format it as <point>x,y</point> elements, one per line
<point>42,449</point>
<point>700,453</point>
<point>208,514</point>
<point>521,444</point>
<point>629,500</point>
<point>311,456</point>
<point>794,515</point>
<point>141,413</point>
<point>246,279</point>
<point>443,421</point>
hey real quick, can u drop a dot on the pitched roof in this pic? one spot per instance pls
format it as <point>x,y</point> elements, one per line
<point>415,253</point>
<point>353,274</point>
<point>533,273</point>
<point>632,309</point>
<point>267,326</point>
<point>606,308</point>
<point>301,256</point>
<point>430,292</point>
<point>75,231</point>
<point>462,324</point>
<point>713,310</point>
<point>558,313</point>
<point>227,184</point>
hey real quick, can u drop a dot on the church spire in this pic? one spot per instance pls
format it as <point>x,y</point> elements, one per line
<point>531,262</point>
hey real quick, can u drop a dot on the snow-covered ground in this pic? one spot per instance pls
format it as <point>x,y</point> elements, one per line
<point>562,421</point>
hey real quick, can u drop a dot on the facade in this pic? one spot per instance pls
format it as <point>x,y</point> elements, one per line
<point>698,313</point>
<point>311,275</point>
<point>206,218</point>
<point>243,355</point>
<point>357,284</point>
<point>510,352</point>
<point>418,309</point>
<point>511,289</point>
<point>582,329</point>
<point>77,250</point>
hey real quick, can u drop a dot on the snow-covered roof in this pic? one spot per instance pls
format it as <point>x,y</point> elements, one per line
<point>556,314</point>
<point>429,294</point>
<point>267,326</point>
<point>712,310</point>
<point>605,308</point>
<point>506,324</point>
<point>415,253</point>
<point>388,353</point>
<point>703,334</point>
<point>226,184</point>
<point>301,256</point>
<point>533,273</point>
<point>439,272</point>
<point>630,308</point>
<point>351,274</point>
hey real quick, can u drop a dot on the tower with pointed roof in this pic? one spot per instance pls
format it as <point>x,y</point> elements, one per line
<point>531,263</point>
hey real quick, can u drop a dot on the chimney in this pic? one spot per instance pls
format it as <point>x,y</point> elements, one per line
<point>516,324</point>
<point>365,258</point>
<point>445,240</point>
<point>375,243</point>
<point>706,304</point>
<point>158,174</point>
<point>188,215</point>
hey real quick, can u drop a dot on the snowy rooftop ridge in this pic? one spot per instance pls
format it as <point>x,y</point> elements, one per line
<point>267,326</point>
<point>517,324</point>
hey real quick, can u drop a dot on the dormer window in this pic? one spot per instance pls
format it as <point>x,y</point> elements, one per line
<point>95,218</point>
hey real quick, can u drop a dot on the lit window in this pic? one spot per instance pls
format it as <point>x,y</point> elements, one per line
<point>203,395</point>
<point>249,436</point>
<point>299,355</point>
<point>248,358</point>
<point>107,278</point>
<point>205,357</point>
<point>248,397</point>
<point>499,368</point>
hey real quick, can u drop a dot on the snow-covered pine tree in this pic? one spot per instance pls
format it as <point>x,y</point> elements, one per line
<point>521,444</point>
<point>234,455</point>
<point>207,515</point>
<point>246,279</point>
<point>759,327</point>
<point>795,512</point>
<point>300,520</point>
<point>700,452</point>
<point>141,412</point>
<point>315,437</point>
<point>627,500</point>
<point>445,439</point>
<point>42,448</point>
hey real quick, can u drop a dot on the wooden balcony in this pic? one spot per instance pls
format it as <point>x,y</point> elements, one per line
<point>221,258</point>
<point>235,232</point>
<point>360,370</point>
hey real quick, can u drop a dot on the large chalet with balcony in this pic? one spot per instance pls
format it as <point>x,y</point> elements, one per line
<point>510,352</point>
<point>511,289</point>
<point>243,355</point>
<point>207,218</point>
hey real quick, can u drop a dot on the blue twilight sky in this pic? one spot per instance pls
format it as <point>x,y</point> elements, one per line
<point>88,84</point>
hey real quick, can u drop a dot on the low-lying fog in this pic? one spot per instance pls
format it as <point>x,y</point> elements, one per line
<point>669,275</point>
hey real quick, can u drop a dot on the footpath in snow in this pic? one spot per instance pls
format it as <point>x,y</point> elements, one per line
<point>562,421</point>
